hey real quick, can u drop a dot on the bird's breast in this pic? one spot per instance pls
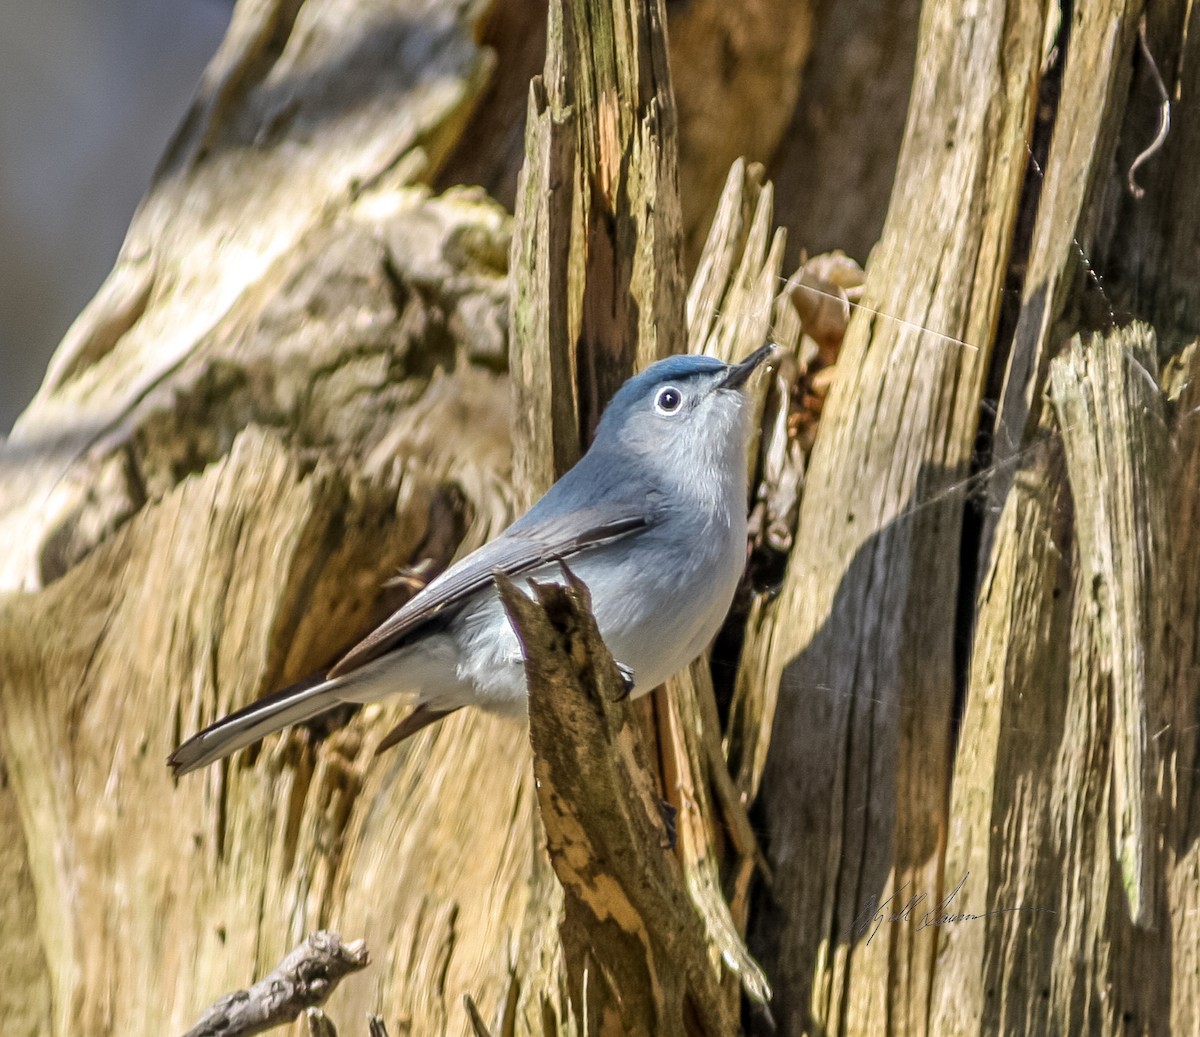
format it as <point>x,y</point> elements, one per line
<point>660,597</point>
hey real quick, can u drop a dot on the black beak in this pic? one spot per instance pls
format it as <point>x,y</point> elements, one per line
<point>737,374</point>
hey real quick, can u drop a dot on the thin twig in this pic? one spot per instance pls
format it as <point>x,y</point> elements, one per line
<point>305,978</point>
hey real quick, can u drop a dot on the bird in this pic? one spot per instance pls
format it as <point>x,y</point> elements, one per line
<point>652,519</point>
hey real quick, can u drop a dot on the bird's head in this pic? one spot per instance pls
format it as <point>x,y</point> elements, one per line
<point>684,413</point>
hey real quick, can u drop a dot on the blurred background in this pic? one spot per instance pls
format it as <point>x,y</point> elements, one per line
<point>90,93</point>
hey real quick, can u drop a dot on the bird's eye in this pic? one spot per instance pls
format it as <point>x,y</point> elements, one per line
<point>668,400</point>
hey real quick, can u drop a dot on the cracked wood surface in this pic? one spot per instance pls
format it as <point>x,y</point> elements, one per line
<point>860,641</point>
<point>220,510</point>
<point>635,950</point>
<point>1072,727</point>
<point>302,981</point>
<point>1073,790</point>
<point>293,384</point>
<point>290,386</point>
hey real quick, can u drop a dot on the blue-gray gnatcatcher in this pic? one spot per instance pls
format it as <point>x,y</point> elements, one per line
<point>652,519</point>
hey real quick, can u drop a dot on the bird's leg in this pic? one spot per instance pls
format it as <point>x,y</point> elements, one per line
<point>626,680</point>
<point>669,813</point>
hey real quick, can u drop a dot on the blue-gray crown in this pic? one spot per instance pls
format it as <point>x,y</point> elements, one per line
<point>672,369</point>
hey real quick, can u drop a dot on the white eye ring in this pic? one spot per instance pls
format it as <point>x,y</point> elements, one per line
<point>668,400</point>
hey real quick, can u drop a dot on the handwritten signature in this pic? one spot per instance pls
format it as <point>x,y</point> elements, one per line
<point>874,915</point>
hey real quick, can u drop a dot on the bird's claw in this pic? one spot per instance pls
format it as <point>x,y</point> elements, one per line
<point>669,813</point>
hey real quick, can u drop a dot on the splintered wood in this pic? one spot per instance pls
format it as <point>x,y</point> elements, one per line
<point>635,949</point>
<point>960,679</point>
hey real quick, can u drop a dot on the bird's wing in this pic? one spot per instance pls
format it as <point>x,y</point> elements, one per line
<point>525,546</point>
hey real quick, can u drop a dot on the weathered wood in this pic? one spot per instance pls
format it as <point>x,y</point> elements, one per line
<point>1069,194</point>
<point>290,386</point>
<point>1114,431</point>
<point>1070,793</point>
<point>24,977</point>
<point>546,304</point>
<point>736,302</point>
<point>1139,247</point>
<point>1182,748</point>
<point>257,849</point>
<point>577,225</point>
<point>1062,739</point>
<point>635,950</point>
<point>281,275</point>
<point>861,640</point>
<point>596,248</point>
<point>1012,726</point>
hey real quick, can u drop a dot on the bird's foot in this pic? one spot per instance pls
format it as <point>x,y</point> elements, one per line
<point>669,813</point>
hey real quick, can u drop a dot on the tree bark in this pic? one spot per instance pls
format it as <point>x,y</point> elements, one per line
<point>292,384</point>
<point>862,637</point>
<point>961,673</point>
<point>1053,875</point>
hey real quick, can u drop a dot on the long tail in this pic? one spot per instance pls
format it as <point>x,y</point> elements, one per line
<point>301,701</point>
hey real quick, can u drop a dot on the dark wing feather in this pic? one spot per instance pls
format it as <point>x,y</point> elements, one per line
<point>523,547</point>
<point>419,719</point>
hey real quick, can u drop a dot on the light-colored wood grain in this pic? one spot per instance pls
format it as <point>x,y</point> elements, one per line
<point>288,389</point>
<point>1067,783</point>
<point>1069,193</point>
<point>1058,810</point>
<point>1013,717</point>
<point>24,978</point>
<point>1114,432</point>
<point>860,641</point>
<point>295,382</point>
<point>1179,798</point>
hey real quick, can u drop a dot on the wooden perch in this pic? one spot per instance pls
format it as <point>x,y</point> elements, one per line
<point>597,291</point>
<point>304,979</point>
<point>635,947</point>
